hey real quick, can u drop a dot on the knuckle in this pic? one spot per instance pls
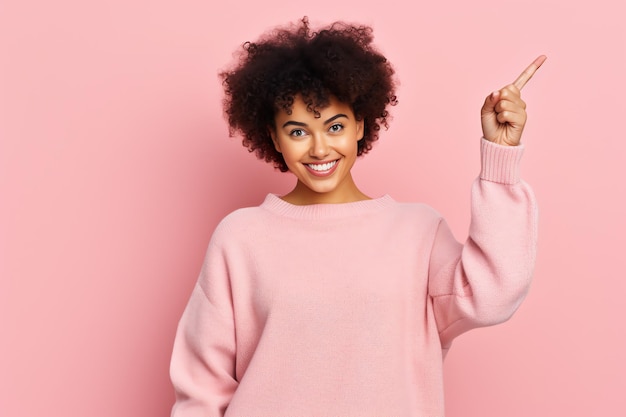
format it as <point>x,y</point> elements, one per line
<point>512,90</point>
<point>503,105</point>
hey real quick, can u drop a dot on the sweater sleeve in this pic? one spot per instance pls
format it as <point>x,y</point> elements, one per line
<point>202,367</point>
<point>484,281</point>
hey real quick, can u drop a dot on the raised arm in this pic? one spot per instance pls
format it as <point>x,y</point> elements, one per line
<point>483,281</point>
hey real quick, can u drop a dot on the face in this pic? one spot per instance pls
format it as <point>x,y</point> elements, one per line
<point>319,151</point>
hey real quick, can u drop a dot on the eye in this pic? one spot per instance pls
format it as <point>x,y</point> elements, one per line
<point>337,127</point>
<point>298,133</point>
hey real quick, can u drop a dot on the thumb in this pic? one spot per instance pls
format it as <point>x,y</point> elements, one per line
<point>490,103</point>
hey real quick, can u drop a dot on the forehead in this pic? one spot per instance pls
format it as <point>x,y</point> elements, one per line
<point>300,110</point>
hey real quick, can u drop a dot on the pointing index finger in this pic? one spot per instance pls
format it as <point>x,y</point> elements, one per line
<point>525,76</point>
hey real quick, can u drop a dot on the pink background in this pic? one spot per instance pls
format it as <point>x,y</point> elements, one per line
<point>115,166</point>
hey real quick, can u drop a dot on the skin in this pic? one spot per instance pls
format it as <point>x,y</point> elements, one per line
<point>503,114</point>
<point>306,140</point>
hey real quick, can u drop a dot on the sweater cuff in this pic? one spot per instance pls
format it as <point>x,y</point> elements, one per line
<point>500,163</point>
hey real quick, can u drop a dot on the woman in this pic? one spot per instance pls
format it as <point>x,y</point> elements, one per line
<point>324,301</point>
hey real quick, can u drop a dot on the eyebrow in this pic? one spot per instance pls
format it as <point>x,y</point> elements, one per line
<point>294,123</point>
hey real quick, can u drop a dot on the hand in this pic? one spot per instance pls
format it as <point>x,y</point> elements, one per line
<point>503,115</point>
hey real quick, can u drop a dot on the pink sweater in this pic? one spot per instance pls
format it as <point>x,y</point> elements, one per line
<point>347,310</point>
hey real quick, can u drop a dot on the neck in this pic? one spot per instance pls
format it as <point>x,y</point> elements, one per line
<point>348,192</point>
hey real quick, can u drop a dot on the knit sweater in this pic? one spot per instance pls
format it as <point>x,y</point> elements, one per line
<point>347,310</point>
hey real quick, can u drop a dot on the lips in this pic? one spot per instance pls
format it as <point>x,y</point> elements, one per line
<point>322,169</point>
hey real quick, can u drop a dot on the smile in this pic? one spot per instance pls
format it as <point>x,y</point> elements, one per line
<point>324,169</point>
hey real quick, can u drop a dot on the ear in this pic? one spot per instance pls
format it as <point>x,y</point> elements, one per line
<point>360,129</point>
<point>272,133</point>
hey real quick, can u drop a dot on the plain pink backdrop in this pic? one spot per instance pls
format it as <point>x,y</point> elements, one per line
<point>115,166</point>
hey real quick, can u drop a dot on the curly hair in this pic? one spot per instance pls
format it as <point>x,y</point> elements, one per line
<point>338,61</point>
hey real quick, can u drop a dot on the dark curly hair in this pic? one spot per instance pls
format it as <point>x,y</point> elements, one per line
<point>338,61</point>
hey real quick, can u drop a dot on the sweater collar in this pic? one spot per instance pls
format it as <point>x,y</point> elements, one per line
<point>275,204</point>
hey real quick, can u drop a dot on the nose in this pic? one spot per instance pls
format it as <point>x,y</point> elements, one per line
<point>319,147</point>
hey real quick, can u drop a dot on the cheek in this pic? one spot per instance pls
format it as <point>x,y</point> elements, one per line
<point>350,146</point>
<point>290,154</point>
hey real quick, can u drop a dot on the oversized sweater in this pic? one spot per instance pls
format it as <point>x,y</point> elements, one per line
<point>347,310</point>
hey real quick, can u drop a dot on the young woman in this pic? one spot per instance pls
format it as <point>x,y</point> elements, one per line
<point>324,301</point>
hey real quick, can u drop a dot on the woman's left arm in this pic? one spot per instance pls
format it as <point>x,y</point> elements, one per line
<point>485,280</point>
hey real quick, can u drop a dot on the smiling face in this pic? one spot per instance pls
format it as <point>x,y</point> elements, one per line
<point>319,151</point>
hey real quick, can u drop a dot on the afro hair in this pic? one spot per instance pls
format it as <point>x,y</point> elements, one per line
<point>338,60</point>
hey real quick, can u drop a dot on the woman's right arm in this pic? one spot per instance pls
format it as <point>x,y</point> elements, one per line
<point>202,367</point>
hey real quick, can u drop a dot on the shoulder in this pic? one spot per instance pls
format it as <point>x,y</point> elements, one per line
<point>238,223</point>
<point>418,220</point>
<point>419,211</point>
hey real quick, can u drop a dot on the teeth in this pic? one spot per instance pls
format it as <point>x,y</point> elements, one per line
<point>322,167</point>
